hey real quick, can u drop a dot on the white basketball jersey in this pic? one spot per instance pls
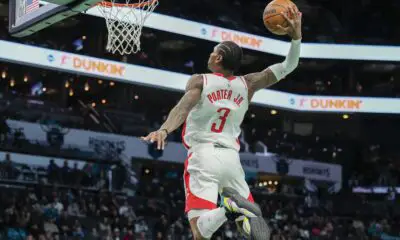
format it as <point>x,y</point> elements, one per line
<point>218,115</point>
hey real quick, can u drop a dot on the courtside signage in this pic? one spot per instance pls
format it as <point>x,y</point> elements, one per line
<point>259,43</point>
<point>118,71</point>
<point>127,148</point>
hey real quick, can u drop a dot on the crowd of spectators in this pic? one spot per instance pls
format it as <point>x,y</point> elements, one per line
<point>58,212</point>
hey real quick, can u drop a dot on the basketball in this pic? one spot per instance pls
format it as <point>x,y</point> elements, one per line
<point>272,15</point>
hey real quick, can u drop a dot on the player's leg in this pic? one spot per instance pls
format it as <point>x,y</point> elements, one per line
<point>201,187</point>
<point>207,223</point>
<point>236,190</point>
<point>252,225</point>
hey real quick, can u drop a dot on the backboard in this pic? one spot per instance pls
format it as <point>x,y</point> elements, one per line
<point>29,16</point>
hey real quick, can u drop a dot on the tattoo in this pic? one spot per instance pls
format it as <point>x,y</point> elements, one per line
<point>178,114</point>
<point>259,80</point>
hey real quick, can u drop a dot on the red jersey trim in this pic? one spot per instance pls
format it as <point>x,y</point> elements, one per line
<point>192,201</point>
<point>222,75</point>
<point>183,136</point>
<point>250,198</point>
<point>244,81</point>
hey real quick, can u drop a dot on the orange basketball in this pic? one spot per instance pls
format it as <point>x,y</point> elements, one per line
<point>272,15</point>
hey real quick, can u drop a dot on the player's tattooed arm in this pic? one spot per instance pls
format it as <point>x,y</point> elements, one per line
<point>259,80</point>
<point>276,72</point>
<point>179,113</point>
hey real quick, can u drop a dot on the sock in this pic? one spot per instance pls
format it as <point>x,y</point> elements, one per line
<point>209,222</point>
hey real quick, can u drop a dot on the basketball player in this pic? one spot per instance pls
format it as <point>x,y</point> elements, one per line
<point>214,106</point>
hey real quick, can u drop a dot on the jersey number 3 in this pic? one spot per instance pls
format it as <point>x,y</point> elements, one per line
<point>224,113</point>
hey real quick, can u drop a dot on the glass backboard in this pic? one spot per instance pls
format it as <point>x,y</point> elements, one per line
<point>29,16</point>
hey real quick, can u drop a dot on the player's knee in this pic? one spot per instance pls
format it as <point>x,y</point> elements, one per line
<point>195,230</point>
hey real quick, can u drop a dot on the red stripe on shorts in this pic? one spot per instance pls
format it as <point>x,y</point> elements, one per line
<point>250,198</point>
<point>192,201</point>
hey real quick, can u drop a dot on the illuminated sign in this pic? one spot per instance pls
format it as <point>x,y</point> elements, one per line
<point>93,65</point>
<point>264,44</point>
<point>118,71</point>
<point>241,39</point>
<point>258,43</point>
<point>333,104</point>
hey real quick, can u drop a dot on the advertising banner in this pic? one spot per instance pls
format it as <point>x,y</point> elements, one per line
<point>111,146</point>
<point>118,71</point>
<point>259,43</point>
<point>265,44</point>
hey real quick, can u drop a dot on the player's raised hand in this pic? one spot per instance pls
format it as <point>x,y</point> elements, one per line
<point>293,17</point>
<point>158,136</point>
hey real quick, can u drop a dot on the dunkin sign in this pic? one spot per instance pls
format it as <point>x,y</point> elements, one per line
<point>94,66</point>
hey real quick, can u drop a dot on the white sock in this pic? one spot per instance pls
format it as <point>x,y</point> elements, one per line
<point>209,222</point>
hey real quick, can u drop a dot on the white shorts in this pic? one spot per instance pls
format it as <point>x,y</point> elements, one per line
<point>208,169</point>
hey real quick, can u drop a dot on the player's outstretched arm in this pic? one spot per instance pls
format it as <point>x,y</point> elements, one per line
<point>276,72</point>
<point>178,114</point>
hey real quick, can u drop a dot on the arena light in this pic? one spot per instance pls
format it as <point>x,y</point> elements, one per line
<point>100,82</point>
<point>3,74</point>
<point>93,104</point>
<point>66,84</point>
<point>112,84</point>
<point>87,87</point>
<point>26,78</point>
<point>12,82</point>
<point>136,97</point>
<point>71,92</point>
<point>345,116</point>
<point>103,101</point>
<point>44,89</point>
<point>274,112</point>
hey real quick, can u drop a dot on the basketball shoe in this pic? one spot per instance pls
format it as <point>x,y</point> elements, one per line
<point>247,215</point>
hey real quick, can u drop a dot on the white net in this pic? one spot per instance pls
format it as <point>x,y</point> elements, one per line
<point>125,22</point>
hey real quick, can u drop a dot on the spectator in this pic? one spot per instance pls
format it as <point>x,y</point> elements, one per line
<point>78,232</point>
<point>52,171</point>
<point>73,209</point>
<point>57,205</point>
<point>9,169</point>
<point>4,129</point>
<point>35,233</point>
<point>16,234</point>
<point>76,175</point>
<point>65,173</point>
<point>141,227</point>
<point>129,235</point>
<point>161,228</point>
<point>50,228</point>
<point>127,211</point>
<point>104,227</point>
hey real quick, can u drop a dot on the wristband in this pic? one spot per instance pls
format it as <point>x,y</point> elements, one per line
<point>166,131</point>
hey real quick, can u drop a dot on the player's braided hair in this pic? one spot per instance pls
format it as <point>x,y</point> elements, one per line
<point>231,55</point>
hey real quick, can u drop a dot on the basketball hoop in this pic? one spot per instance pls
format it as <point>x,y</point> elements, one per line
<point>125,22</point>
